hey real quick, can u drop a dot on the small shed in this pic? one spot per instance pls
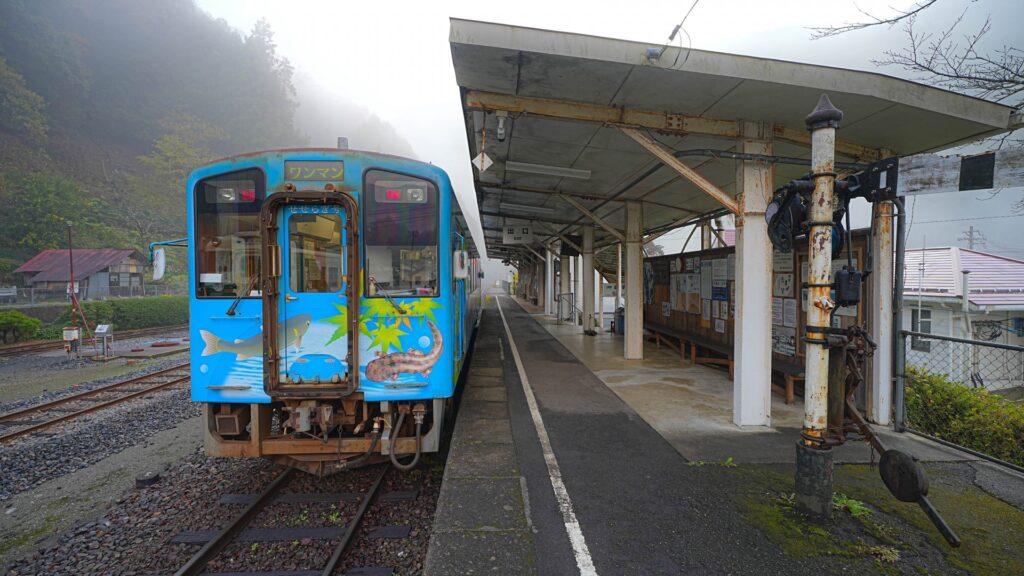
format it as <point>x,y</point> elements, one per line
<point>99,272</point>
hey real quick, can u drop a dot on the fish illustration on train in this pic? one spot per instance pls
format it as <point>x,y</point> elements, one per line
<point>291,332</point>
<point>390,366</point>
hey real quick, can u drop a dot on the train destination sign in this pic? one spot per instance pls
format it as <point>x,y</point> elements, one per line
<point>314,170</point>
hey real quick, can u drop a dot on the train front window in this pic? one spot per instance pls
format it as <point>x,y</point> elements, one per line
<point>315,252</point>
<point>400,235</point>
<point>227,234</point>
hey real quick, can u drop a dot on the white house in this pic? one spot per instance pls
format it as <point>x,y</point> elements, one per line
<point>933,303</point>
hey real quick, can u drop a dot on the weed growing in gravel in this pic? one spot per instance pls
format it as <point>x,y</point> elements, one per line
<point>254,547</point>
<point>334,517</point>
<point>856,508</point>
<point>302,517</point>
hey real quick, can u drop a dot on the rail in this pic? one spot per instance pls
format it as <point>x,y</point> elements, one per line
<point>96,400</point>
<point>45,345</point>
<point>197,563</point>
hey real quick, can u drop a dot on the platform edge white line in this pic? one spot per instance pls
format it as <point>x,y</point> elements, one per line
<point>572,526</point>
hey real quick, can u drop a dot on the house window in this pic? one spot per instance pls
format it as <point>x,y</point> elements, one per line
<point>920,321</point>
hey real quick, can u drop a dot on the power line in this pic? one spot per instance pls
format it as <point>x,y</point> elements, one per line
<point>971,219</point>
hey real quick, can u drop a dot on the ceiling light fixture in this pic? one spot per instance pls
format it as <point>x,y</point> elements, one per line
<point>505,206</point>
<point>547,170</point>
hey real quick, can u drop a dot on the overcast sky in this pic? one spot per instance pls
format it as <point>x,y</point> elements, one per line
<point>393,60</point>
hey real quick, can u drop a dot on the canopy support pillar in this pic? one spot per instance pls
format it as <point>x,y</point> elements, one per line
<point>753,322</point>
<point>588,280</point>
<point>634,346</point>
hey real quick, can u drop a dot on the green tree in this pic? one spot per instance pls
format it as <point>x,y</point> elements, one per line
<point>21,110</point>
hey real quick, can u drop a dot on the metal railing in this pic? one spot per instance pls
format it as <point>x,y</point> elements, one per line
<point>567,307</point>
<point>950,385</point>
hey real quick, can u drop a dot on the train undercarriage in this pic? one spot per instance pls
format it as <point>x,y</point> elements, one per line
<point>325,436</point>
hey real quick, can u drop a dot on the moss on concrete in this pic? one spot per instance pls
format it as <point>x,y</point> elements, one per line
<point>18,540</point>
<point>991,530</point>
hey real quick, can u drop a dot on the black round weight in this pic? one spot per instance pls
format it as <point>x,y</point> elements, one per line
<point>903,476</point>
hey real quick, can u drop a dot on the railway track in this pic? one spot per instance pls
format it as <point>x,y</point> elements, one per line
<point>237,526</point>
<point>32,419</point>
<point>26,348</point>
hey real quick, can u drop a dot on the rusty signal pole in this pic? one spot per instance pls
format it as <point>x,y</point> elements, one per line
<point>813,455</point>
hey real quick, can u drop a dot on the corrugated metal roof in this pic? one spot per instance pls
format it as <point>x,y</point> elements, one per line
<point>994,280</point>
<point>52,265</point>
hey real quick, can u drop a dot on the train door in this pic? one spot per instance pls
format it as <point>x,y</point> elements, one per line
<point>310,292</point>
<point>313,295</point>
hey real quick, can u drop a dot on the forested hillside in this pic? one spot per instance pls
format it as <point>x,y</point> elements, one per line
<point>106,105</point>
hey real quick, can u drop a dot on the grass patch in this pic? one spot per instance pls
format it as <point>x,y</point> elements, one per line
<point>991,530</point>
<point>27,537</point>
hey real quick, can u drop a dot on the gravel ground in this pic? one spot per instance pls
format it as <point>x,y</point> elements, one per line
<point>27,377</point>
<point>159,364</point>
<point>133,536</point>
<point>37,458</point>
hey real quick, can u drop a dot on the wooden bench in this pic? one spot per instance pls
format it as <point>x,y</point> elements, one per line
<point>684,339</point>
<point>790,374</point>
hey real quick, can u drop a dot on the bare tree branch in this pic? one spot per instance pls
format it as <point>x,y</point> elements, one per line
<point>828,31</point>
<point>955,64</point>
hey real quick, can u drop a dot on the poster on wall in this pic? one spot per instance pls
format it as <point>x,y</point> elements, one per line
<point>693,303</point>
<point>789,312</point>
<point>782,261</point>
<point>784,340</point>
<point>719,273</point>
<point>666,309</point>
<point>730,265</point>
<point>777,311</point>
<point>732,299</point>
<point>705,280</point>
<point>720,326</point>
<point>705,310</point>
<point>783,285</point>
<point>692,284</point>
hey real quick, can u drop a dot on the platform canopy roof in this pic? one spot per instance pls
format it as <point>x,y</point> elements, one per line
<point>565,98</point>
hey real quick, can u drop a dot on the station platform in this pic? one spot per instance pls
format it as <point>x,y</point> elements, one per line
<point>568,459</point>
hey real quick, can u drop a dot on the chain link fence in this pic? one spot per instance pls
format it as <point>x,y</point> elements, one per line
<point>972,363</point>
<point>966,392</point>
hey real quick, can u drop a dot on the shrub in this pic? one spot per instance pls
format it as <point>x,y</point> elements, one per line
<point>971,417</point>
<point>16,326</point>
<point>132,313</point>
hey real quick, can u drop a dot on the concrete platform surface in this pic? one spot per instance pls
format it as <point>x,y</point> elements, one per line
<point>648,487</point>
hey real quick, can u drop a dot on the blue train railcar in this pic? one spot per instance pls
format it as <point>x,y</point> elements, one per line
<point>333,296</point>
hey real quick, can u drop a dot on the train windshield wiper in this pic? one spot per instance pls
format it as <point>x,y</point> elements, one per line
<point>238,298</point>
<point>386,295</point>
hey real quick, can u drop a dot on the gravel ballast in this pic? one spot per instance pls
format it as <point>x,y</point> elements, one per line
<point>133,536</point>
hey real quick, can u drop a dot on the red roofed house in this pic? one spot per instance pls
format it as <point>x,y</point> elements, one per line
<point>99,272</point>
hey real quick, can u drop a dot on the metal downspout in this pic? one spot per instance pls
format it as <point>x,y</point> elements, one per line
<point>899,356</point>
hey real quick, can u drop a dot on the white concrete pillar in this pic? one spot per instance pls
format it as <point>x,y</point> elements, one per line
<point>600,303</point>
<point>549,281</point>
<point>563,290</point>
<point>577,287</point>
<point>879,393</point>
<point>634,347</point>
<point>618,278</point>
<point>588,278</point>
<point>753,324</point>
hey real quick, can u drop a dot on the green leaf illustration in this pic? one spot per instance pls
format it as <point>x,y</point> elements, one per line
<point>424,308</point>
<point>341,320</point>
<point>387,337</point>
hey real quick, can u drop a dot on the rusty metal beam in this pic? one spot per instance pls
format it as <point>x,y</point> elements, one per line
<point>655,120</point>
<point>685,171</point>
<point>597,219</point>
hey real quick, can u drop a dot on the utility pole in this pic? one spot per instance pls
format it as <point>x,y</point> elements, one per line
<point>813,455</point>
<point>972,237</point>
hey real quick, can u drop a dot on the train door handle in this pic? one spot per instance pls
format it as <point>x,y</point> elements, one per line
<point>290,298</point>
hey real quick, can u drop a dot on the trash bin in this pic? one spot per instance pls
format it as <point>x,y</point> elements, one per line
<point>620,321</point>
